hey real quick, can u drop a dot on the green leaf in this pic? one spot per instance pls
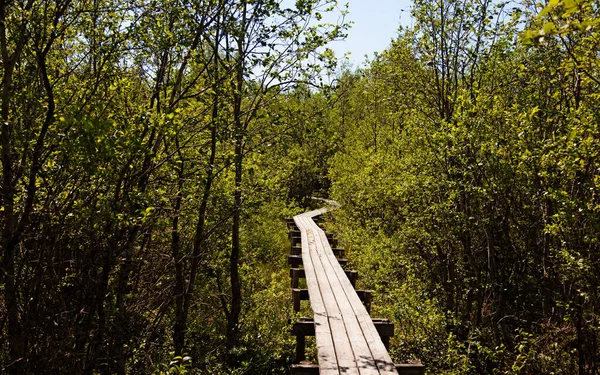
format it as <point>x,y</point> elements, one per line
<point>551,5</point>
<point>548,28</point>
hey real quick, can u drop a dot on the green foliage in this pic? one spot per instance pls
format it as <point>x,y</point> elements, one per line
<point>178,365</point>
<point>467,182</point>
<point>562,18</point>
<point>123,125</point>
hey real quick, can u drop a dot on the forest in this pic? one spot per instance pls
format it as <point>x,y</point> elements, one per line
<point>151,150</point>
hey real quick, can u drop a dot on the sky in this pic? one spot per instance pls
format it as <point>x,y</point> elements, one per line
<point>376,23</point>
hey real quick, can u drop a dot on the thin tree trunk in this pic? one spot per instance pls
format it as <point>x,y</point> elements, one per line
<point>184,303</point>
<point>234,259</point>
<point>16,340</point>
<point>179,327</point>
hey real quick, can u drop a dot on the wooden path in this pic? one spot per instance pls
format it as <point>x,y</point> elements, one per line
<point>348,340</point>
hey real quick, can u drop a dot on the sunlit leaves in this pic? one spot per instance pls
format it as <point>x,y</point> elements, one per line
<point>561,18</point>
<point>462,199</point>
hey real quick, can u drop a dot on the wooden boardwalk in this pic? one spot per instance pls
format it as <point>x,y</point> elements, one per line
<point>348,340</point>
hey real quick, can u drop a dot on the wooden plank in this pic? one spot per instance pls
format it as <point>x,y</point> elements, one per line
<point>328,364</point>
<point>341,339</point>
<point>379,353</point>
<point>363,357</point>
<point>325,348</point>
<point>296,260</point>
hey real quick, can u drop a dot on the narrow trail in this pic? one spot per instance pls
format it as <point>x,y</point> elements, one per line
<point>348,340</point>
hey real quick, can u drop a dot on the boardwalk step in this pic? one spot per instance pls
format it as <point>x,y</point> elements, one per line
<point>306,327</point>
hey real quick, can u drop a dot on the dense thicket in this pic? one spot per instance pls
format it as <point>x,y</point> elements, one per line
<point>468,179</point>
<point>139,218</point>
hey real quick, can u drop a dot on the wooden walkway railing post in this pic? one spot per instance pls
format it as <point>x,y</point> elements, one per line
<point>348,340</point>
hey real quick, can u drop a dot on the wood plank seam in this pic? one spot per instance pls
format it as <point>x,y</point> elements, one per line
<point>325,290</point>
<point>325,348</point>
<point>337,305</point>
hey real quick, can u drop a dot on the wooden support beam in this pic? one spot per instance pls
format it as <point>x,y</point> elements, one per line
<point>305,369</point>
<point>291,225</point>
<point>298,273</point>
<point>410,368</point>
<point>403,369</point>
<point>302,295</point>
<point>300,348</point>
<point>295,240</point>
<point>366,296</point>
<point>297,295</point>
<point>352,276</point>
<point>293,233</point>
<point>301,274</point>
<point>306,327</point>
<point>295,260</point>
